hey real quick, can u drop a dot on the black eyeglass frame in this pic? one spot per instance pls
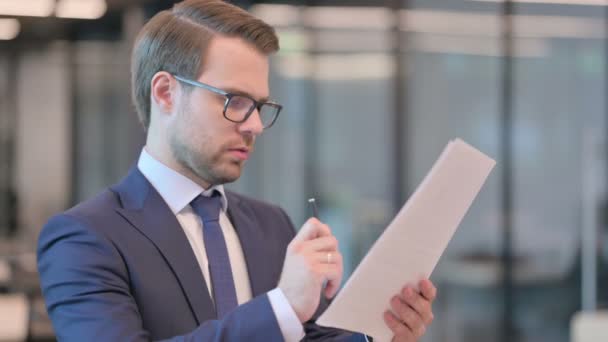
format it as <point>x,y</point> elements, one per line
<point>229,96</point>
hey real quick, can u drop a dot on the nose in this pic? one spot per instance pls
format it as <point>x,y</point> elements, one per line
<point>253,125</point>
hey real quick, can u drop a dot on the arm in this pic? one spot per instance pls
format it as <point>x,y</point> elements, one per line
<point>314,332</point>
<point>86,288</point>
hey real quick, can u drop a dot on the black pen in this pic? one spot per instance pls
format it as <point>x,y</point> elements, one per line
<point>313,204</point>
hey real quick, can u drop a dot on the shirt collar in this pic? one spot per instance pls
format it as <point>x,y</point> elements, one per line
<point>176,189</point>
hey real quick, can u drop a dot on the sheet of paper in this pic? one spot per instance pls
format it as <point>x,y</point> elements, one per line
<point>410,247</point>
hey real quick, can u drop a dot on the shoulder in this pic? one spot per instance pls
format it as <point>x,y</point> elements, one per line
<point>80,239</point>
<point>88,218</point>
<point>101,207</point>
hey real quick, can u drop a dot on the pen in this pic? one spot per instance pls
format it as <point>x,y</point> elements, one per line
<point>313,205</point>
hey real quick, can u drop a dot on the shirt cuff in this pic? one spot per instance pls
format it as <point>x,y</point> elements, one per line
<point>289,323</point>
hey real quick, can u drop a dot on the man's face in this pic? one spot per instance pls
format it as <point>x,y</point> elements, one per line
<point>201,140</point>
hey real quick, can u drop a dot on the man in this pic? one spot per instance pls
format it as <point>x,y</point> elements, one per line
<point>168,253</point>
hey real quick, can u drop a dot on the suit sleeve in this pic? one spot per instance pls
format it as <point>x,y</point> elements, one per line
<point>86,289</point>
<point>315,332</point>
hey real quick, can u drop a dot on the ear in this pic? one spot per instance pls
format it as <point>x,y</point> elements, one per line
<point>163,91</point>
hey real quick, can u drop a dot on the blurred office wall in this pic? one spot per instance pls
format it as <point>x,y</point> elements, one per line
<point>372,90</point>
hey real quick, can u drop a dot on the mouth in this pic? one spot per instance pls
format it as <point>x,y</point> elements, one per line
<point>240,153</point>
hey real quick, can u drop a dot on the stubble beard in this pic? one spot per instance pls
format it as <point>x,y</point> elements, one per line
<point>197,157</point>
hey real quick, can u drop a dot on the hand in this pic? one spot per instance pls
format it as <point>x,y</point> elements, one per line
<point>312,257</point>
<point>411,312</point>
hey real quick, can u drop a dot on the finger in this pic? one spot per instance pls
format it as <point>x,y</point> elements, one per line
<point>428,290</point>
<point>420,304</point>
<point>333,274</point>
<point>408,316</point>
<point>312,229</point>
<point>401,332</point>
<point>324,243</point>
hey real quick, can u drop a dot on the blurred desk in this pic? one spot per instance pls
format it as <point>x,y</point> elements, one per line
<point>24,303</point>
<point>590,326</point>
<point>14,317</point>
<point>18,269</point>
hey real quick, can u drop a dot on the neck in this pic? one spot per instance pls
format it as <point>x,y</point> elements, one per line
<point>163,154</point>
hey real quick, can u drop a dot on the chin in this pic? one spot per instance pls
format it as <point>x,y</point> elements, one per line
<point>228,175</point>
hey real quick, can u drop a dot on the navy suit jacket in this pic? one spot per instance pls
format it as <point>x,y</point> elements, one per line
<point>119,267</point>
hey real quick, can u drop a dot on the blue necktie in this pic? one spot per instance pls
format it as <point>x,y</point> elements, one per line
<point>224,293</point>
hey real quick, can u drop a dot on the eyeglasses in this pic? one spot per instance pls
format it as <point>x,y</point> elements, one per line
<point>238,108</point>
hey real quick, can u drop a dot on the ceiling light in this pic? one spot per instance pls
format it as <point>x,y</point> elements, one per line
<point>81,9</point>
<point>29,8</point>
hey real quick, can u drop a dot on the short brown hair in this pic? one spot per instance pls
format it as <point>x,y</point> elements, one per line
<point>174,41</point>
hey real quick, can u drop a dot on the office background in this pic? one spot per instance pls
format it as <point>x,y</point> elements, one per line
<point>372,90</point>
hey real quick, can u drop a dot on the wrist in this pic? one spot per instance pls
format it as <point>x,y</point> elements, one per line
<point>292,301</point>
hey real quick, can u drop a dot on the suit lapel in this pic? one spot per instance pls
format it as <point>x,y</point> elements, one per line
<point>145,209</point>
<point>253,241</point>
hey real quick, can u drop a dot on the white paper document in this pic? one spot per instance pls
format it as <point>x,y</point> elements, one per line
<point>411,245</point>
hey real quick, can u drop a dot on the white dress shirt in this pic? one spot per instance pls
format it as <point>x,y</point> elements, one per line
<point>178,191</point>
